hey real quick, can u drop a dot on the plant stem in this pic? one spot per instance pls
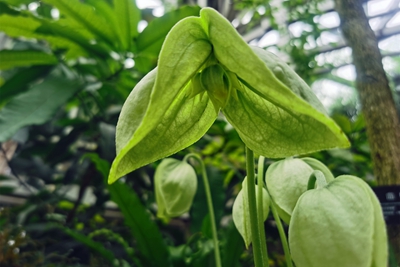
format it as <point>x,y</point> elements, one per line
<point>282,234</point>
<point>260,209</point>
<point>251,192</point>
<point>316,177</point>
<point>210,207</point>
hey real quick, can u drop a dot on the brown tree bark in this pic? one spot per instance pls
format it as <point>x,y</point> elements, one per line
<point>382,120</point>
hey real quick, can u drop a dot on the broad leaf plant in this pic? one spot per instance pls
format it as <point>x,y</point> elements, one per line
<point>204,68</point>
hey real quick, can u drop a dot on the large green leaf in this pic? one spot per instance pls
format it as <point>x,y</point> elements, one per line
<point>21,58</point>
<point>147,236</point>
<point>273,131</point>
<point>84,16</point>
<point>177,68</point>
<point>205,45</point>
<point>35,106</point>
<point>183,123</point>
<point>150,40</point>
<point>271,118</point>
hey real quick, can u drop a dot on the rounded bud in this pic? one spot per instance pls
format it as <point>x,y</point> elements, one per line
<point>216,82</point>
<point>175,185</point>
<point>339,224</point>
<point>286,181</point>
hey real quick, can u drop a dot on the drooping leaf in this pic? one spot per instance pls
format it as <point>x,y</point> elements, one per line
<point>182,124</point>
<point>152,37</point>
<point>268,94</point>
<point>275,132</point>
<point>84,16</point>
<point>289,77</point>
<point>147,236</point>
<point>21,58</point>
<point>177,67</point>
<point>204,42</point>
<point>35,106</point>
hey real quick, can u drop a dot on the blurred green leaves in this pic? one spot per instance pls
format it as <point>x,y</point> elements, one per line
<point>35,106</point>
<point>16,58</point>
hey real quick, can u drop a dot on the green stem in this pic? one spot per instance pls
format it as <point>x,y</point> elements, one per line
<point>251,192</point>
<point>260,209</point>
<point>316,177</point>
<point>282,234</point>
<point>210,207</point>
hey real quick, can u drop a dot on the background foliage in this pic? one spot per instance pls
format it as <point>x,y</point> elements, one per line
<point>66,69</point>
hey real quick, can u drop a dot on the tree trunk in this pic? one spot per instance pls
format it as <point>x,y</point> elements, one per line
<point>382,120</point>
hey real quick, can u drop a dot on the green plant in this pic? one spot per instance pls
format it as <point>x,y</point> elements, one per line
<point>205,67</point>
<point>77,60</point>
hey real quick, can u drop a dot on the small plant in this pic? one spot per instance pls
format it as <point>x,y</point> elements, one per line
<point>205,67</point>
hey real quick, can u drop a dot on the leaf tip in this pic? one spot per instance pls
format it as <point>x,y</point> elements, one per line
<point>113,177</point>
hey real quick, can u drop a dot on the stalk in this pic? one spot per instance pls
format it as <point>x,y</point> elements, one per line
<point>251,192</point>
<point>210,207</point>
<point>260,209</point>
<point>282,235</point>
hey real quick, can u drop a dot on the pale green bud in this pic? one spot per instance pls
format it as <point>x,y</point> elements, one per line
<point>286,181</point>
<point>219,83</point>
<point>175,185</point>
<point>241,214</point>
<point>338,224</point>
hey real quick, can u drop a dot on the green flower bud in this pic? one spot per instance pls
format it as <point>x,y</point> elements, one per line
<point>338,224</point>
<point>286,181</point>
<point>175,185</point>
<point>219,83</point>
<point>241,214</point>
